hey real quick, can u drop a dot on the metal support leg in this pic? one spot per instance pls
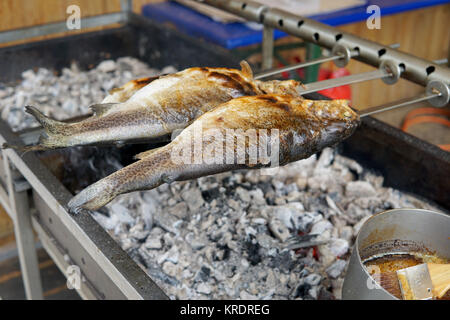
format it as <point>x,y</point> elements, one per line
<point>267,48</point>
<point>24,237</point>
<point>313,52</point>
<point>126,5</point>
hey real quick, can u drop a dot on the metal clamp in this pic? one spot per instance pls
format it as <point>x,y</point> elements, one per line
<point>435,86</point>
<point>393,70</point>
<point>344,54</point>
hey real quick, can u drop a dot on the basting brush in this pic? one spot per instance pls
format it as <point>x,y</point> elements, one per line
<point>422,282</point>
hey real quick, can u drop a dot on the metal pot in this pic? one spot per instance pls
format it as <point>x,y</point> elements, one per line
<point>393,231</point>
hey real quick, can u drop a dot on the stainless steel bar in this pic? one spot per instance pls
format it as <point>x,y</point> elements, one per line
<point>274,71</point>
<point>331,83</point>
<point>267,48</point>
<point>58,255</point>
<point>397,104</point>
<point>4,201</point>
<point>416,69</point>
<point>24,236</point>
<point>46,29</point>
<point>441,61</point>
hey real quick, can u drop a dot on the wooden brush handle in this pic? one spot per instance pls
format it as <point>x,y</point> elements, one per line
<point>440,277</point>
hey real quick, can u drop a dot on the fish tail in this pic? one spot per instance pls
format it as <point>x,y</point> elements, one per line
<point>50,126</point>
<point>95,196</point>
<point>145,174</point>
<point>23,149</point>
<point>57,134</point>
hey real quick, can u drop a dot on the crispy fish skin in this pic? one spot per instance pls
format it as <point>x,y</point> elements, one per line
<point>165,104</point>
<point>305,127</point>
<point>125,92</point>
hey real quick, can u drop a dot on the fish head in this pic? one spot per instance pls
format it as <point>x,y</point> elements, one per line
<point>336,119</point>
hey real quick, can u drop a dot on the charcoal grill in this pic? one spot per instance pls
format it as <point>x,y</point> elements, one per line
<point>36,199</point>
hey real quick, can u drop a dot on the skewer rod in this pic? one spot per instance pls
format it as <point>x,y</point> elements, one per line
<point>397,104</point>
<point>267,48</point>
<point>275,71</point>
<point>337,82</point>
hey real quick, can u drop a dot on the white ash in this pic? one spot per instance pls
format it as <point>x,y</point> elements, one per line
<point>223,236</point>
<point>70,93</point>
<point>226,236</point>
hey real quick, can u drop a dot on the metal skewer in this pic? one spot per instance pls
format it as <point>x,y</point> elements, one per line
<point>274,71</point>
<point>436,93</point>
<point>337,82</point>
<point>397,104</point>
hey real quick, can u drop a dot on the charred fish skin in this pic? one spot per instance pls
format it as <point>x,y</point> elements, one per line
<point>156,107</point>
<point>304,128</point>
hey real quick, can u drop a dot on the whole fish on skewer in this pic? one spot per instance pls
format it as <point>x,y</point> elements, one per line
<point>153,107</point>
<point>302,127</point>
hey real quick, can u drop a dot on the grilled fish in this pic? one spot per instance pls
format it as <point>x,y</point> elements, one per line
<point>301,127</point>
<point>153,107</point>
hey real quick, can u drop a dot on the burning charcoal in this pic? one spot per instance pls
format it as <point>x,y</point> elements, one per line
<point>357,189</point>
<point>107,66</point>
<point>253,254</point>
<point>257,197</point>
<point>356,212</point>
<point>321,226</point>
<point>244,295</point>
<point>325,159</point>
<point>302,291</point>
<point>338,247</point>
<point>180,210</point>
<point>279,229</point>
<point>210,194</point>
<point>138,232</point>
<point>336,269</point>
<point>287,214</point>
<point>349,163</point>
<point>170,269</point>
<point>195,242</point>
<point>301,182</point>
<point>204,288</point>
<point>284,261</point>
<point>313,279</point>
<point>204,274</point>
<point>153,243</point>
<point>243,194</point>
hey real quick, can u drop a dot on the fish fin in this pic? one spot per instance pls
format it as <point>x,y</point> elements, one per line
<point>113,90</point>
<point>101,108</point>
<point>246,69</point>
<point>24,149</point>
<point>142,82</point>
<point>50,126</point>
<point>136,84</point>
<point>145,154</point>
